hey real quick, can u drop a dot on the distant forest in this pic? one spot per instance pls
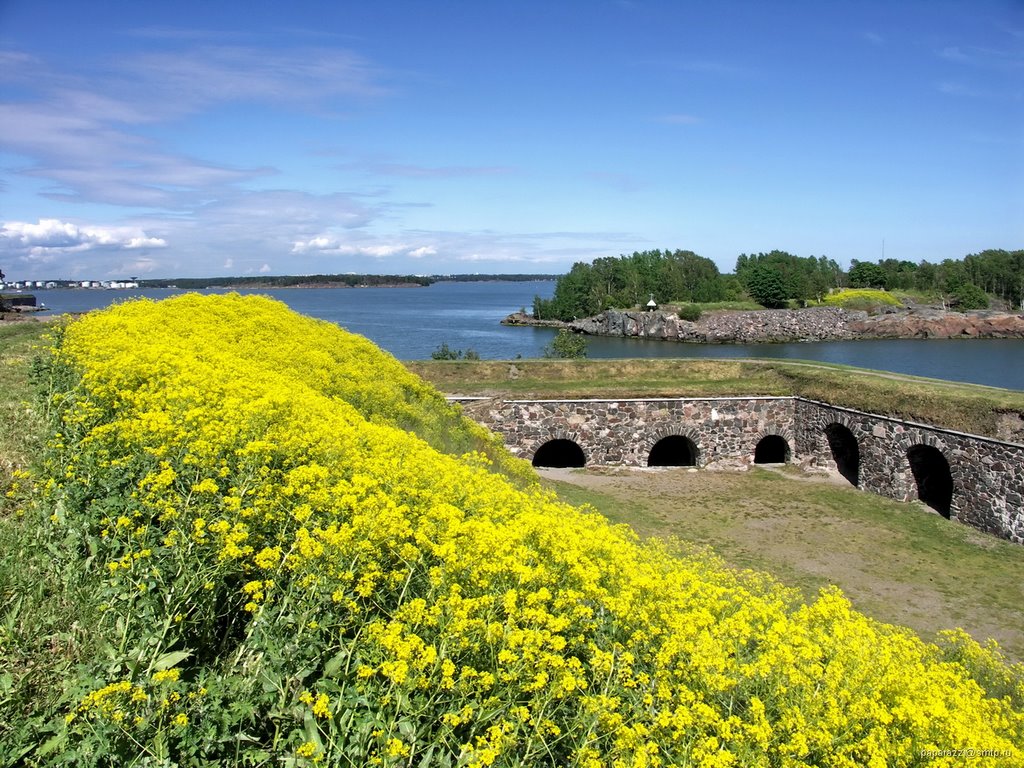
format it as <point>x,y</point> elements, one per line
<point>350,281</point>
<point>775,279</point>
<point>286,281</point>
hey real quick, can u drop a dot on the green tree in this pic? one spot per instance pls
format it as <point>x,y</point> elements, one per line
<point>444,352</point>
<point>802,278</point>
<point>566,345</point>
<point>627,281</point>
<point>765,286</point>
<point>970,296</point>
<point>865,274</point>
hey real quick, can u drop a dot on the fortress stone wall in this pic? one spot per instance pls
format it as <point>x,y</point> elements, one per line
<point>975,480</point>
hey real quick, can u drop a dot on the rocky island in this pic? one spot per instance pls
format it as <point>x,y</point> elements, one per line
<point>790,325</point>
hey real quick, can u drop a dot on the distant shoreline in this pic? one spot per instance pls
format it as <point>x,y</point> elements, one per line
<point>774,326</point>
<point>272,282</point>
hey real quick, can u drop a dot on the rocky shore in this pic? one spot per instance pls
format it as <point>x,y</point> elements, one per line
<point>788,325</point>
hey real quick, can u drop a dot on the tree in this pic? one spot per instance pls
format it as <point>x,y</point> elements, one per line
<point>802,277</point>
<point>970,296</point>
<point>865,274</point>
<point>444,352</point>
<point>764,284</point>
<point>566,345</point>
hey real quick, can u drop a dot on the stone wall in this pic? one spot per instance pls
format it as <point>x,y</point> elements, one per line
<point>977,480</point>
<point>987,475</point>
<point>624,431</point>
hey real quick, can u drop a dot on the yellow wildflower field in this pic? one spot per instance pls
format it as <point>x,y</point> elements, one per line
<point>308,557</point>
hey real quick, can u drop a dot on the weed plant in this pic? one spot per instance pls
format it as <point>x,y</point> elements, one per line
<point>279,558</point>
<point>867,299</point>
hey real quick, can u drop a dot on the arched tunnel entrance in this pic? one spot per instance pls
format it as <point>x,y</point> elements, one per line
<point>845,451</point>
<point>559,453</point>
<point>673,451</point>
<point>933,478</point>
<point>771,449</point>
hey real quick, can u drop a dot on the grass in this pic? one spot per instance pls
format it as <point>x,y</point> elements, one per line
<point>19,426</point>
<point>969,408</point>
<point>897,562</point>
<point>45,620</point>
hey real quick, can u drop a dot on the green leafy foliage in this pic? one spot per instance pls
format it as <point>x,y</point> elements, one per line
<point>970,296</point>
<point>627,281</point>
<point>444,352</point>
<point>691,312</point>
<point>566,345</point>
<point>773,279</point>
<point>798,278</point>
<point>864,274</point>
<point>765,286</point>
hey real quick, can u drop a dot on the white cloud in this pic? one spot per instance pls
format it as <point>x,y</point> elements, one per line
<point>229,263</point>
<point>327,245</point>
<point>65,237</point>
<point>265,268</point>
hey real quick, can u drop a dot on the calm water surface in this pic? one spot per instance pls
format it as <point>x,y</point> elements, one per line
<point>412,322</point>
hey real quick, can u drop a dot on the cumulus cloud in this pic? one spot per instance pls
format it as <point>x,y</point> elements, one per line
<point>54,235</point>
<point>328,245</point>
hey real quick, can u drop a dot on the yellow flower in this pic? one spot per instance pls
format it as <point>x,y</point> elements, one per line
<point>397,748</point>
<point>167,675</point>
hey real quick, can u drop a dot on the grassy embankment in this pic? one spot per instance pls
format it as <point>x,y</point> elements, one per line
<point>752,672</point>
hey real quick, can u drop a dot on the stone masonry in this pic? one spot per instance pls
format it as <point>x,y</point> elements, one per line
<point>987,476</point>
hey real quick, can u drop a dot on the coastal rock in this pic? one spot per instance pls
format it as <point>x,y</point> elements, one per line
<point>725,327</point>
<point>811,324</point>
<point>936,324</point>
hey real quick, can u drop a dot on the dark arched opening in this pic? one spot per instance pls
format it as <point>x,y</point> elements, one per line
<point>559,453</point>
<point>845,451</point>
<point>673,451</point>
<point>933,478</point>
<point>771,449</point>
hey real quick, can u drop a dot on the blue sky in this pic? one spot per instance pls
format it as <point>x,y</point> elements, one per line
<point>229,138</point>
